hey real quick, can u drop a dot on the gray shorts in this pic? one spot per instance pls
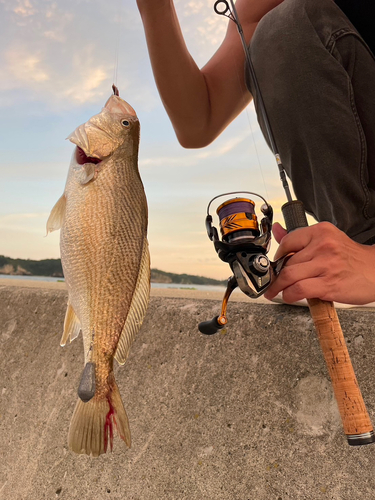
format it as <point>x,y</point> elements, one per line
<point>317,78</point>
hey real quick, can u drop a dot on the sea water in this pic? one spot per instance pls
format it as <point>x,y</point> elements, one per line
<point>206,288</point>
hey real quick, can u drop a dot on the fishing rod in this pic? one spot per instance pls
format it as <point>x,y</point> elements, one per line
<point>244,245</point>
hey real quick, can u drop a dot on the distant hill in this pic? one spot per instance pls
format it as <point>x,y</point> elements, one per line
<point>158,276</point>
<point>52,267</point>
<point>27,267</point>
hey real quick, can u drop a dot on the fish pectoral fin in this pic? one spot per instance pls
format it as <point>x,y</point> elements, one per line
<point>86,173</point>
<point>72,326</point>
<point>137,308</point>
<point>56,218</point>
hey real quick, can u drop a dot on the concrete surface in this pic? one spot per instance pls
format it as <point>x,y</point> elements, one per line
<point>247,414</point>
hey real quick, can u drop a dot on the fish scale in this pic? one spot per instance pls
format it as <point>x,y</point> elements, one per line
<point>104,253</point>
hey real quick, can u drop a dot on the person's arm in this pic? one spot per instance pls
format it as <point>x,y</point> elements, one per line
<point>200,103</point>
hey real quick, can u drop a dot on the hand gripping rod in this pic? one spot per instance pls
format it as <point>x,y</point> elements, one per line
<point>355,418</point>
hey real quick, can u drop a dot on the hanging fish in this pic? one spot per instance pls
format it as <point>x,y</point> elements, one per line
<point>104,251</point>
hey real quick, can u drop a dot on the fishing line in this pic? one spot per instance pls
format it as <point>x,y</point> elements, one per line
<point>256,149</point>
<point>246,107</point>
<point>222,8</point>
<point>117,42</point>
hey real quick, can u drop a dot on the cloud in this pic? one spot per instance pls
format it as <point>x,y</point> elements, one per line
<point>24,67</point>
<point>202,27</point>
<point>186,158</point>
<point>86,88</point>
<point>231,144</point>
<point>24,8</point>
<point>64,53</point>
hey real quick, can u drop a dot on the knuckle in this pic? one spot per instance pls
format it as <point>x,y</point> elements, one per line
<point>325,227</point>
<point>289,297</point>
<point>327,247</point>
<point>328,296</point>
<point>328,244</point>
<point>287,274</point>
<point>294,293</point>
<point>299,289</point>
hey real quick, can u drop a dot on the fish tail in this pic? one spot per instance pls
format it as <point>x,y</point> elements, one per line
<point>92,425</point>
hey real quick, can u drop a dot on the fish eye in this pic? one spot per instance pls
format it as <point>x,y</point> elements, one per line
<point>125,123</point>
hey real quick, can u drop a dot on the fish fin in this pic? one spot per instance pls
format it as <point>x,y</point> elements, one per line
<point>86,173</point>
<point>137,308</point>
<point>72,326</point>
<point>56,218</point>
<point>92,425</point>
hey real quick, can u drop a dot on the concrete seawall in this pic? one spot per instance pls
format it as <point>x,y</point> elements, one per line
<point>247,414</point>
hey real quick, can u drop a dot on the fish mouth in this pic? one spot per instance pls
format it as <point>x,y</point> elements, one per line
<point>82,158</point>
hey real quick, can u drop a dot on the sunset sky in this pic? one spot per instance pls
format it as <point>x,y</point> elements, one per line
<point>57,66</point>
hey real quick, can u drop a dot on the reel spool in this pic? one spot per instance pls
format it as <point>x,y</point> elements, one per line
<point>238,221</point>
<point>244,245</point>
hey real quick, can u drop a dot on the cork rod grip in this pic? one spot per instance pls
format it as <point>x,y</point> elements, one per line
<point>355,418</point>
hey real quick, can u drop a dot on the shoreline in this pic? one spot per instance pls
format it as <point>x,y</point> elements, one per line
<point>183,293</point>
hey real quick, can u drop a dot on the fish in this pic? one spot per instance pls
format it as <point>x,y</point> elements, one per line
<point>103,217</point>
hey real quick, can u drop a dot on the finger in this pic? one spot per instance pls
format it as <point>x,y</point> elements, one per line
<point>292,274</point>
<point>294,242</point>
<point>312,288</point>
<point>303,256</point>
<point>278,231</point>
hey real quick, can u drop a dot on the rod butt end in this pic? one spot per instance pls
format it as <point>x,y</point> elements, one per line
<point>361,439</point>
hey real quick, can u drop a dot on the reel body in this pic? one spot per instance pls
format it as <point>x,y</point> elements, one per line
<point>244,245</point>
<point>244,242</point>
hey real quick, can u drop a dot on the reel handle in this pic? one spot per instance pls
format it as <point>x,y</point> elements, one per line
<point>355,418</point>
<point>211,326</point>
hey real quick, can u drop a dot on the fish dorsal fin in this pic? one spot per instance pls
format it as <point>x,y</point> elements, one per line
<point>72,326</point>
<point>137,308</point>
<point>56,218</point>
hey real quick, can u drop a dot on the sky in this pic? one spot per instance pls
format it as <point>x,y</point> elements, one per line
<point>57,64</point>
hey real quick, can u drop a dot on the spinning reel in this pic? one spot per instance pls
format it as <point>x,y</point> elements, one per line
<point>244,246</point>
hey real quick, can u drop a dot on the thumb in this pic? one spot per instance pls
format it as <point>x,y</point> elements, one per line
<point>278,231</point>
